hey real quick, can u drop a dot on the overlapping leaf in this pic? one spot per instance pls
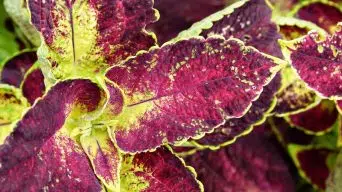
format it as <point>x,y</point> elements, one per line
<point>253,163</point>
<point>314,163</point>
<point>83,37</point>
<point>248,20</point>
<point>326,14</point>
<point>175,18</point>
<point>318,62</point>
<point>234,128</point>
<point>317,120</point>
<point>185,89</point>
<point>157,171</point>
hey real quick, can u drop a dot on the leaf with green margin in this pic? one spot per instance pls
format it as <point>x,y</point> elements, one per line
<point>59,165</point>
<point>314,164</point>
<point>281,7</point>
<point>12,106</point>
<point>294,96</point>
<point>104,157</point>
<point>8,44</point>
<point>317,62</point>
<point>176,17</point>
<point>160,170</point>
<point>253,163</point>
<point>317,120</point>
<point>235,128</point>
<point>15,68</point>
<point>85,37</point>
<point>292,28</point>
<point>72,101</point>
<point>18,11</point>
<point>247,20</point>
<point>325,14</point>
<point>186,89</point>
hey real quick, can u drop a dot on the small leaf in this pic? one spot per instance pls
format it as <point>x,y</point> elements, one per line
<point>314,163</point>
<point>317,120</point>
<point>292,28</point>
<point>33,86</point>
<point>252,163</point>
<point>294,96</point>
<point>157,171</point>
<point>104,157</point>
<point>15,68</point>
<point>185,89</point>
<point>325,14</point>
<point>317,62</point>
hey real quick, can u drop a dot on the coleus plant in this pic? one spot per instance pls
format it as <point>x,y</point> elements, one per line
<point>101,105</point>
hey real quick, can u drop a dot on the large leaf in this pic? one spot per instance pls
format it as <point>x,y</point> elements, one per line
<point>185,89</point>
<point>83,37</point>
<point>252,163</point>
<point>157,171</point>
<point>317,62</point>
<point>58,165</point>
<point>234,128</point>
<point>247,20</point>
<point>72,98</point>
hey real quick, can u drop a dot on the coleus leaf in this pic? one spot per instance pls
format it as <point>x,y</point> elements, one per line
<point>252,163</point>
<point>247,20</point>
<point>317,62</point>
<point>294,96</point>
<point>292,28</point>
<point>84,37</point>
<point>33,86</point>
<point>15,68</point>
<point>157,171</point>
<point>19,13</point>
<point>289,135</point>
<point>57,165</point>
<point>175,18</point>
<point>79,98</point>
<point>326,14</point>
<point>317,120</point>
<point>234,128</point>
<point>104,157</point>
<point>12,105</point>
<point>314,164</point>
<point>185,89</point>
